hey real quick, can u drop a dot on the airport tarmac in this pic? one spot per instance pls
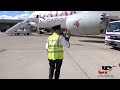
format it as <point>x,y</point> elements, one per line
<point>25,57</point>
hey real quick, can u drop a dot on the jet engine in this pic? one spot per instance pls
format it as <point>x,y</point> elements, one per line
<point>33,24</point>
<point>86,23</point>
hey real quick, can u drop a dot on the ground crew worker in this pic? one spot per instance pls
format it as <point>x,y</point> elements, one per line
<point>54,47</point>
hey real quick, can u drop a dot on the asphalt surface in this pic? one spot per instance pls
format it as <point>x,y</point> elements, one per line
<point>25,57</point>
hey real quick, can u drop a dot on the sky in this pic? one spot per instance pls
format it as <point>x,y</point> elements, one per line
<point>15,14</point>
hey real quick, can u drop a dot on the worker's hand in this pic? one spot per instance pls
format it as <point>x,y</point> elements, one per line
<point>67,38</point>
<point>64,35</point>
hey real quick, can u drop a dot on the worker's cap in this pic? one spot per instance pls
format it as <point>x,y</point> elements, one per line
<point>56,27</point>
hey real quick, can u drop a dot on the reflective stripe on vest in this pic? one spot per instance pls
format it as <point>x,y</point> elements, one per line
<point>55,51</point>
<point>55,46</point>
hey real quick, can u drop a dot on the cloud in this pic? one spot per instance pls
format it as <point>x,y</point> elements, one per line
<point>26,11</point>
<point>21,16</point>
<point>16,11</point>
<point>4,11</point>
<point>6,17</point>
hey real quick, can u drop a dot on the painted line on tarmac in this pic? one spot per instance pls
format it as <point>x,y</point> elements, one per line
<point>78,64</point>
<point>2,50</point>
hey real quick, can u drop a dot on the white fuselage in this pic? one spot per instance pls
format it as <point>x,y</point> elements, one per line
<point>89,21</point>
<point>52,21</point>
<point>77,22</point>
<point>48,19</point>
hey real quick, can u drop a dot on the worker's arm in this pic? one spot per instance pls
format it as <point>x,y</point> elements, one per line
<point>65,43</point>
<point>46,46</point>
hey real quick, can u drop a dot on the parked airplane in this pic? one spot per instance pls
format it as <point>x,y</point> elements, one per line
<point>77,22</point>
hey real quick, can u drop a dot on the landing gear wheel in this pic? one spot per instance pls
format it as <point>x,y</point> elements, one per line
<point>28,34</point>
<point>18,33</point>
<point>115,47</point>
<point>41,32</point>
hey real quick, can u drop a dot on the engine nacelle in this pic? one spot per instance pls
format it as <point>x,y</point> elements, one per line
<point>84,23</point>
<point>33,24</point>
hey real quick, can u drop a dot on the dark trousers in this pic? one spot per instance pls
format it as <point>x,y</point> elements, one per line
<point>54,65</point>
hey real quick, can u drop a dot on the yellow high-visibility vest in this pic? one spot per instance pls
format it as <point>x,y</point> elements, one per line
<point>55,48</point>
